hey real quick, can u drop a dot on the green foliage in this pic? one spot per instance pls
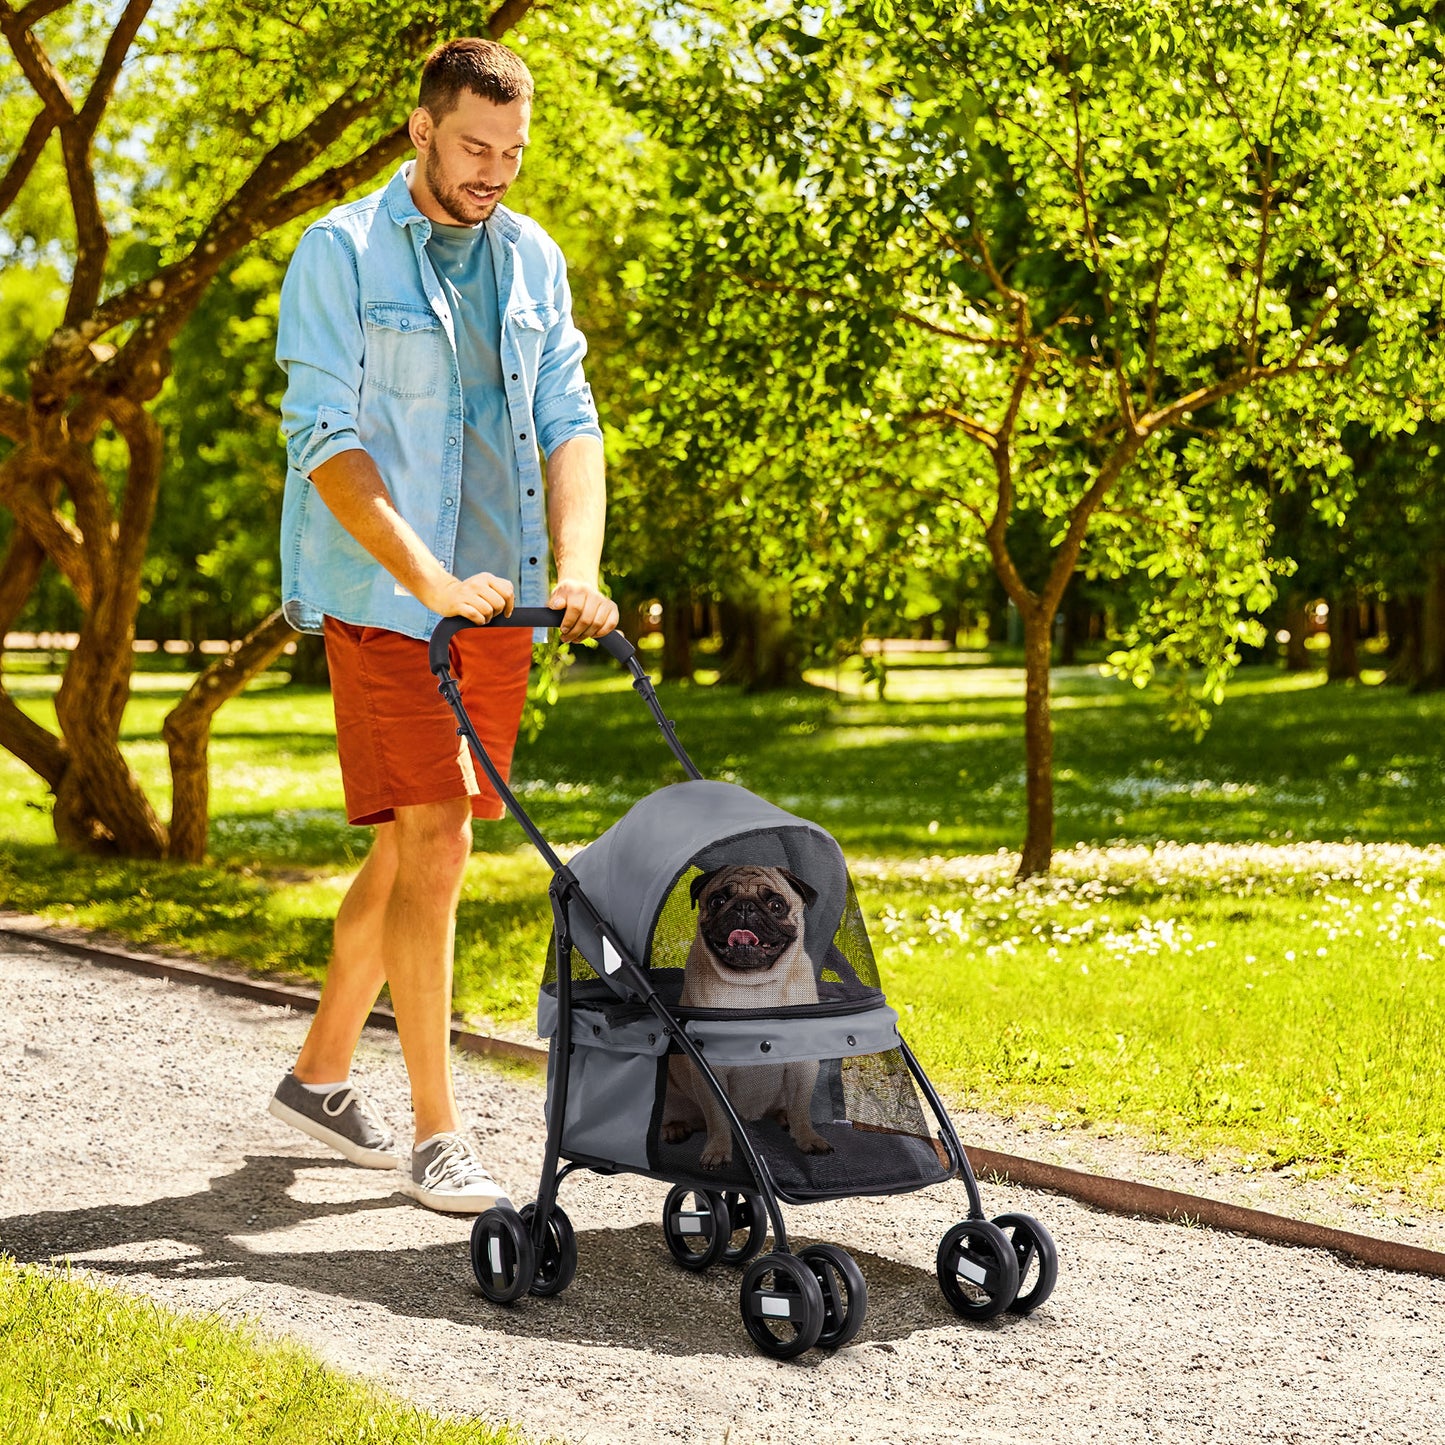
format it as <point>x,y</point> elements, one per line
<point>898,229</point>
<point>84,1362</point>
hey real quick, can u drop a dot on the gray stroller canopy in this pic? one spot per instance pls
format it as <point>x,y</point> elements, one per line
<point>629,871</point>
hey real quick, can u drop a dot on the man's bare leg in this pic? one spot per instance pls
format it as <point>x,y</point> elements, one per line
<point>433,841</point>
<point>357,969</point>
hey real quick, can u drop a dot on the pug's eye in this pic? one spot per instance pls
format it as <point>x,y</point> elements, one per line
<point>718,899</point>
<point>776,904</point>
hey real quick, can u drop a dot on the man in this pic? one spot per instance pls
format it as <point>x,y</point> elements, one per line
<point>427,339</point>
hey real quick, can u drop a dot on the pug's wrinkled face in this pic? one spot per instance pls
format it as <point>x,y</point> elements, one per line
<point>750,917</point>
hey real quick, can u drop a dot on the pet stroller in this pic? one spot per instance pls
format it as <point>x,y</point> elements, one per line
<point>744,1107</point>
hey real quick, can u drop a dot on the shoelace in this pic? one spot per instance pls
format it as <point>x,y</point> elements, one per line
<point>350,1095</point>
<point>454,1166</point>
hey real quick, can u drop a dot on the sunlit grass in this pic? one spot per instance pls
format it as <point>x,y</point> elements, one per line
<point>1317,1062</point>
<point>80,1362</point>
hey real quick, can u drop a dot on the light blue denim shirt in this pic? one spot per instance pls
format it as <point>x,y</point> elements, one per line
<point>367,343</point>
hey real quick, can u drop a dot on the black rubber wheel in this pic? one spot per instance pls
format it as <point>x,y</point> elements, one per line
<point>502,1256</point>
<point>782,1305</point>
<point>747,1213</point>
<point>557,1262</point>
<point>1038,1259</point>
<point>978,1270</point>
<point>845,1295</point>
<point>696,1225</point>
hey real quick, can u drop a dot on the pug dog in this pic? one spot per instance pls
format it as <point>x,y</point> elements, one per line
<point>747,954</point>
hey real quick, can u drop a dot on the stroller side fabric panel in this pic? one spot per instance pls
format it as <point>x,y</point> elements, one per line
<point>612,1091</point>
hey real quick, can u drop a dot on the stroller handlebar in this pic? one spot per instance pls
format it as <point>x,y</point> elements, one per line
<point>441,638</point>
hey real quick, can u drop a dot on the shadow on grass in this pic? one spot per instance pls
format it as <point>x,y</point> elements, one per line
<point>628,1292</point>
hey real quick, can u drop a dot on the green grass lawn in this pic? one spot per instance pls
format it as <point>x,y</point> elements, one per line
<point>84,1363</point>
<point>1243,944</point>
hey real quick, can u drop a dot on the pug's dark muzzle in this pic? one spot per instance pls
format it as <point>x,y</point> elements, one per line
<point>744,938</point>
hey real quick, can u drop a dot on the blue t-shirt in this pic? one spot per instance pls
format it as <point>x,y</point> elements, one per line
<point>489,527</point>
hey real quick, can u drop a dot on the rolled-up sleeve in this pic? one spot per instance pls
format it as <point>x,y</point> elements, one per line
<point>563,405</point>
<point>319,345</point>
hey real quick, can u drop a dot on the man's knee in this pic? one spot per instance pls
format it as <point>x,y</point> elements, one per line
<point>436,837</point>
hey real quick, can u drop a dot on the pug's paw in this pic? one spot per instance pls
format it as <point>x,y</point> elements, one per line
<point>717,1156</point>
<point>676,1132</point>
<point>814,1144</point>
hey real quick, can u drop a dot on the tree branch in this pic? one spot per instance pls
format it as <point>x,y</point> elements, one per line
<point>37,68</point>
<point>116,50</point>
<point>187,731</point>
<point>32,504</point>
<point>813,293</point>
<point>971,426</point>
<point>12,418</point>
<point>251,212</point>
<point>32,14</point>
<point>506,15</point>
<point>31,149</point>
<point>334,183</point>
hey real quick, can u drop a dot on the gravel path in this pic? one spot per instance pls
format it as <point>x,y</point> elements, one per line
<point>115,1094</point>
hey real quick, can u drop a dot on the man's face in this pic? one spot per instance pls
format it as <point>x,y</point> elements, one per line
<point>468,159</point>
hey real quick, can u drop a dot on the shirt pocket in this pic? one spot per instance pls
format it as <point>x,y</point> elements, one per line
<point>529,326</point>
<point>404,349</point>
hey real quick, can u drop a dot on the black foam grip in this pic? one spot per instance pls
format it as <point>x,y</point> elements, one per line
<point>441,639</point>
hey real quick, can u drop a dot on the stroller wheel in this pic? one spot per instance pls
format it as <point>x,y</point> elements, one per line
<point>845,1295</point>
<point>557,1261</point>
<point>696,1225</point>
<point>978,1270</point>
<point>746,1212</point>
<point>502,1256</point>
<point>782,1305</point>
<point>1038,1259</point>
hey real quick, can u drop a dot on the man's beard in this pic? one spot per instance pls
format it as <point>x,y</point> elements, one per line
<point>461,207</point>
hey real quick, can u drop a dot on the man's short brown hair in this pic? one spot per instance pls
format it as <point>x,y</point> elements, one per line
<point>481,66</point>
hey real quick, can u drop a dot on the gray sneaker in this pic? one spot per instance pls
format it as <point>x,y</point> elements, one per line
<point>344,1119</point>
<point>447,1175</point>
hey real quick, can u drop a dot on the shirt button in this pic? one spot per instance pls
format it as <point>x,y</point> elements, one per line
<point>514,376</point>
<point>406,325</point>
<point>531,491</point>
<point>451,441</point>
<point>449,501</point>
<point>532,560</point>
<point>524,436</point>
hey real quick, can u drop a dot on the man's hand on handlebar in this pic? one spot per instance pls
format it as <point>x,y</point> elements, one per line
<point>589,613</point>
<point>478,598</point>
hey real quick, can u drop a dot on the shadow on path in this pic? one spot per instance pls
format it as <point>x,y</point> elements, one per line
<point>628,1292</point>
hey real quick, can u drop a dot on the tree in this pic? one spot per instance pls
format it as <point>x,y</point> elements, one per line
<point>1103,269</point>
<point>200,130</point>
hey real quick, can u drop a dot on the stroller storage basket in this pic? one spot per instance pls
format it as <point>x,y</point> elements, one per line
<point>716,1020</point>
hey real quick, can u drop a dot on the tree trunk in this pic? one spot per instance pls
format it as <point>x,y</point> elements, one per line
<point>1402,622</point>
<point>764,654</point>
<point>1038,850</point>
<point>1432,629</point>
<point>1344,635</point>
<point>1297,623</point>
<point>308,663</point>
<point>187,731</point>
<point>677,639</point>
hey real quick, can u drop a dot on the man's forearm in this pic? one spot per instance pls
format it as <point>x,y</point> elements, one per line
<point>577,509</point>
<point>352,487</point>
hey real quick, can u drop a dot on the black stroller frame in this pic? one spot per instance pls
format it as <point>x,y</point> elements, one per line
<point>789,1302</point>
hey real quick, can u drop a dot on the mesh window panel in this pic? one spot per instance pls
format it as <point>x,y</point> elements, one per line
<point>866,1132</point>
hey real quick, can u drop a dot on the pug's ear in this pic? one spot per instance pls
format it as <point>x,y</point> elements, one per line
<point>701,882</point>
<point>805,891</point>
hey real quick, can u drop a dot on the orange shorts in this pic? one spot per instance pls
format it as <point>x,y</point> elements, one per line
<point>395,733</point>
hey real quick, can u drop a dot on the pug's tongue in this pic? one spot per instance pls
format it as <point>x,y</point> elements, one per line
<point>740,937</point>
